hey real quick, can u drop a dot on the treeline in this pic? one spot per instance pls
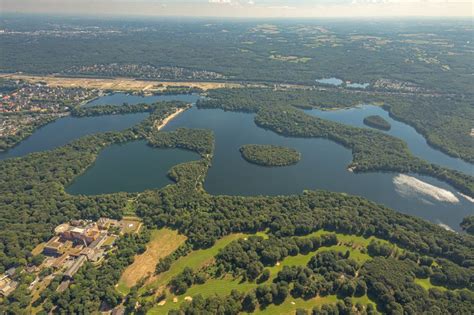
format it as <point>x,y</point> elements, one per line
<point>99,110</point>
<point>238,302</point>
<point>378,122</point>
<point>199,140</point>
<point>269,155</point>
<point>249,257</point>
<point>445,127</point>
<point>446,122</point>
<point>252,99</point>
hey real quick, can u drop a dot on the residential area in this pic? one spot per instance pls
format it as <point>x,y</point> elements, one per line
<point>26,106</point>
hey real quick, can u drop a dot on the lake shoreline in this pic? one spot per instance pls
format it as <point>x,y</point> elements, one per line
<point>165,121</point>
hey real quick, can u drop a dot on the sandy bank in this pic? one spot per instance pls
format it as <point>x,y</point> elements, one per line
<point>165,121</point>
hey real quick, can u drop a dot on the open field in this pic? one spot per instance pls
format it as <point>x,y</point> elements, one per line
<point>223,286</point>
<point>195,260</point>
<point>163,242</point>
<point>118,84</point>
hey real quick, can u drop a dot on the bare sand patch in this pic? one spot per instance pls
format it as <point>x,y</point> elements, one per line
<point>119,84</point>
<point>165,121</point>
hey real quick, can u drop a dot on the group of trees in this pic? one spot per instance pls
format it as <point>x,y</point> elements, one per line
<point>199,140</point>
<point>98,110</point>
<point>252,255</point>
<point>446,122</point>
<point>391,283</point>
<point>269,155</point>
<point>378,122</point>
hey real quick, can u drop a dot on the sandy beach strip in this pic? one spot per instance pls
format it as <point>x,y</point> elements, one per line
<point>165,121</point>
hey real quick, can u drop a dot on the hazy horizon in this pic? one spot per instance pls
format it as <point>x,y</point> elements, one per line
<point>244,8</point>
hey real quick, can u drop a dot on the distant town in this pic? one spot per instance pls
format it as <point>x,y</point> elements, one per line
<point>26,106</point>
<point>144,72</point>
<point>73,244</point>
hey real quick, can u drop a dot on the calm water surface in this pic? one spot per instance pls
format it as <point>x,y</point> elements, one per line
<point>416,142</point>
<point>129,167</point>
<point>135,166</point>
<point>67,129</point>
<point>322,166</point>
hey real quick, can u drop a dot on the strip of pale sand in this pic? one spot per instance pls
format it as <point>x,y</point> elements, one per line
<point>165,121</point>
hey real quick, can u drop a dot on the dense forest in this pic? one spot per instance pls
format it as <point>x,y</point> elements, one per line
<point>249,50</point>
<point>33,201</point>
<point>269,155</point>
<point>378,122</point>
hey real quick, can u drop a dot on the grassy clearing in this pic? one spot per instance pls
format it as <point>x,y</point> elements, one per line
<point>130,207</point>
<point>303,260</point>
<point>221,287</point>
<point>162,243</point>
<point>195,260</point>
<point>426,284</point>
<point>291,305</point>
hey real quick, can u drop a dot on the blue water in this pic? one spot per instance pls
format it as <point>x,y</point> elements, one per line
<point>323,165</point>
<point>67,129</point>
<point>357,85</point>
<point>331,81</point>
<point>415,141</point>
<point>129,167</point>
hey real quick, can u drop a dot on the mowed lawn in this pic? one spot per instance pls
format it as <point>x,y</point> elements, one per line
<point>162,243</point>
<point>195,260</point>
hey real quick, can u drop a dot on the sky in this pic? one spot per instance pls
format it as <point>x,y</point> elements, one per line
<point>246,8</point>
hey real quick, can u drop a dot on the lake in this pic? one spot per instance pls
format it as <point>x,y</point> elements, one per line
<point>134,166</point>
<point>130,167</point>
<point>323,166</point>
<point>416,142</point>
<point>67,129</point>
